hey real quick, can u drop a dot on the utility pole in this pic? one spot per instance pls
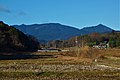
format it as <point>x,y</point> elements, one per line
<point>76,41</point>
<point>82,41</point>
<point>77,47</point>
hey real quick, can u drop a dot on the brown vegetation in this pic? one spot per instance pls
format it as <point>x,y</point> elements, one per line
<point>65,66</point>
<point>85,52</point>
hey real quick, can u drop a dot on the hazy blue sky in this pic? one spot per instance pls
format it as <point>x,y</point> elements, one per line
<point>77,13</point>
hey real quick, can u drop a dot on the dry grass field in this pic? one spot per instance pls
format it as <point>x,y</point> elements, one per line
<point>63,65</point>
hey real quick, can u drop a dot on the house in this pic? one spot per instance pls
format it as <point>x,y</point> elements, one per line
<point>104,45</point>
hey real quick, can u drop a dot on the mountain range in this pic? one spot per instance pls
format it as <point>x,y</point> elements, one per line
<point>57,31</point>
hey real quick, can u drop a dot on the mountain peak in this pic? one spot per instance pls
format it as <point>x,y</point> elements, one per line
<point>22,24</point>
<point>100,28</point>
<point>53,24</point>
<point>100,25</point>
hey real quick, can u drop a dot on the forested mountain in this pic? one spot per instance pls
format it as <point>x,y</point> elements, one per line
<point>56,31</point>
<point>49,31</point>
<point>12,40</point>
<point>98,29</point>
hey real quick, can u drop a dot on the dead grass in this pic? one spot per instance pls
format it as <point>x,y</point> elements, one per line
<point>83,75</point>
<point>109,57</point>
<point>113,52</point>
<point>84,53</point>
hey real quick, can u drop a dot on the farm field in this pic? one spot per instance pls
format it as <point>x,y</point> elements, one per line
<point>56,66</point>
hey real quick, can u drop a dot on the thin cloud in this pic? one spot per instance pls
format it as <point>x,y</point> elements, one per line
<point>5,9</point>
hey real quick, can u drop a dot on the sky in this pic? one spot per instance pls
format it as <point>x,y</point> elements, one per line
<point>76,13</point>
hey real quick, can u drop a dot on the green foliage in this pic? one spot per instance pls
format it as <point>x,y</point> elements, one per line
<point>13,31</point>
<point>91,44</point>
<point>112,42</point>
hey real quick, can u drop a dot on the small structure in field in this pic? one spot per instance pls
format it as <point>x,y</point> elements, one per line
<point>49,50</point>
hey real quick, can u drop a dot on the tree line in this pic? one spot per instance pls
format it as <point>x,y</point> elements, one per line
<point>112,38</point>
